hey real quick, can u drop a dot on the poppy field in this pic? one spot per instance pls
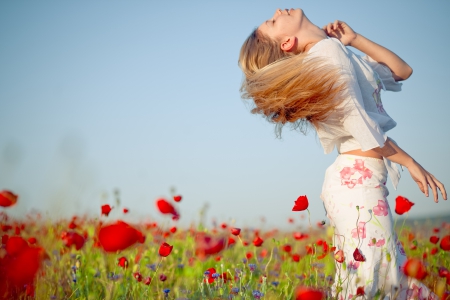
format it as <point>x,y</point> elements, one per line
<point>105,258</point>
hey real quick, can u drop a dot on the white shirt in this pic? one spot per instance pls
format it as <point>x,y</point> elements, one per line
<point>364,123</point>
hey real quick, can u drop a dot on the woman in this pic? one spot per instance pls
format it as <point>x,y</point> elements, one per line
<point>296,74</point>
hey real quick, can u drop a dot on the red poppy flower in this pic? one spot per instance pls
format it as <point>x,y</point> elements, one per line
<point>173,229</point>
<point>119,236</point>
<point>307,293</point>
<point>177,198</point>
<point>235,231</point>
<point>209,275</point>
<point>339,256</point>
<point>415,268</point>
<point>445,243</point>
<point>162,277</point>
<point>300,236</point>
<point>224,277</point>
<point>296,257</point>
<point>300,204</point>
<point>231,241</point>
<point>7,198</point>
<point>72,238</point>
<point>258,241</point>
<point>402,205</point>
<point>106,209</point>
<point>208,245</point>
<point>125,210</point>
<point>249,255</point>
<point>224,225</point>
<point>434,250</point>
<point>147,281</point>
<point>32,240</point>
<point>72,225</point>
<point>22,268</point>
<point>122,262</point>
<point>434,239</point>
<point>137,276</point>
<point>443,272</point>
<point>165,249</point>
<point>15,244</point>
<point>166,208</point>
<point>360,291</point>
<point>357,255</point>
<point>287,248</point>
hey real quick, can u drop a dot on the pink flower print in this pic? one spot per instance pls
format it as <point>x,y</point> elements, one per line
<point>415,292</point>
<point>347,172</point>
<point>353,265</point>
<point>381,209</point>
<point>359,232</point>
<point>374,242</point>
<point>348,176</point>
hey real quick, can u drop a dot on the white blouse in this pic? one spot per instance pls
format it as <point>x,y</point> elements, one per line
<point>360,121</point>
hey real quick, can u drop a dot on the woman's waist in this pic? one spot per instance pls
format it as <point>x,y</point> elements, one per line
<point>368,153</point>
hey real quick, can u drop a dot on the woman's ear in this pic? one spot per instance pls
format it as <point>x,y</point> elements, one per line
<point>288,43</point>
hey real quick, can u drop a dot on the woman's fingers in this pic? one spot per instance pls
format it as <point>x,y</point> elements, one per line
<point>440,186</point>
<point>432,184</point>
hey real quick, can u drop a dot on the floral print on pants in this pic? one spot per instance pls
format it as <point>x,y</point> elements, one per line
<point>355,199</point>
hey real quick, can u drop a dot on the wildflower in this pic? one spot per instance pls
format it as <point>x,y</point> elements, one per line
<point>162,277</point>
<point>72,238</point>
<point>125,210</point>
<point>402,205</point>
<point>301,203</point>
<point>235,231</point>
<point>147,281</point>
<point>300,236</point>
<point>177,198</point>
<point>122,262</point>
<point>445,243</point>
<point>434,250</point>
<point>137,276</point>
<point>258,241</point>
<point>209,275</point>
<point>166,208</point>
<point>165,249</point>
<point>252,267</point>
<point>235,290</point>
<point>360,291</point>
<point>287,248</point>
<point>166,291</point>
<point>357,255</point>
<point>208,245</point>
<point>339,256</point>
<point>415,268</point>
<point>173,229</point>
<point>307,293</point>
<point>257,294</point>
<point>119,236</point>
<point>434,239</point>
<point>231,241</point>
<point>106,209</point>
<point>296,257</point>
<point>275,283</point>
<point>215,275</point>
<point>7,198</point>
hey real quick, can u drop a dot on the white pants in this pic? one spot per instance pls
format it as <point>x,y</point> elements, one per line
<point>354,195</point>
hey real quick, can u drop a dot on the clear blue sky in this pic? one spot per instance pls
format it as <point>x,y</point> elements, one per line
<point>144,95</point>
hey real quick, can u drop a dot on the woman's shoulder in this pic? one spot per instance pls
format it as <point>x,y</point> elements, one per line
<point>332,50</point>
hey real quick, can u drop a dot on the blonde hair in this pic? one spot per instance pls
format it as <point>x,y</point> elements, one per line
<point>286,87</point>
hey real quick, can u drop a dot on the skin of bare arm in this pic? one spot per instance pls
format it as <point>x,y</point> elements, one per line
<point>400,71</point>
<point>340,30</point>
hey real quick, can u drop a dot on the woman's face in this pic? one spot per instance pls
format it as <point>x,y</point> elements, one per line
<point>283,23</point>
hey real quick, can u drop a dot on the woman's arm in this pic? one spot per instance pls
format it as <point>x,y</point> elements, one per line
<point>340,30</point>
<point>421,176</point>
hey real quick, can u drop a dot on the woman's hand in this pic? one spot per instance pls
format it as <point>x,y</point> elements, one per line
<point>424,179</point>
<point>341,31</point>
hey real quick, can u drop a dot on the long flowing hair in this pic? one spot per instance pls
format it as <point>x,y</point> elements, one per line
<point>288,88</point>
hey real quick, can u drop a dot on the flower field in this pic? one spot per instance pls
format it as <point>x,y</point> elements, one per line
<point>99,258</point>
